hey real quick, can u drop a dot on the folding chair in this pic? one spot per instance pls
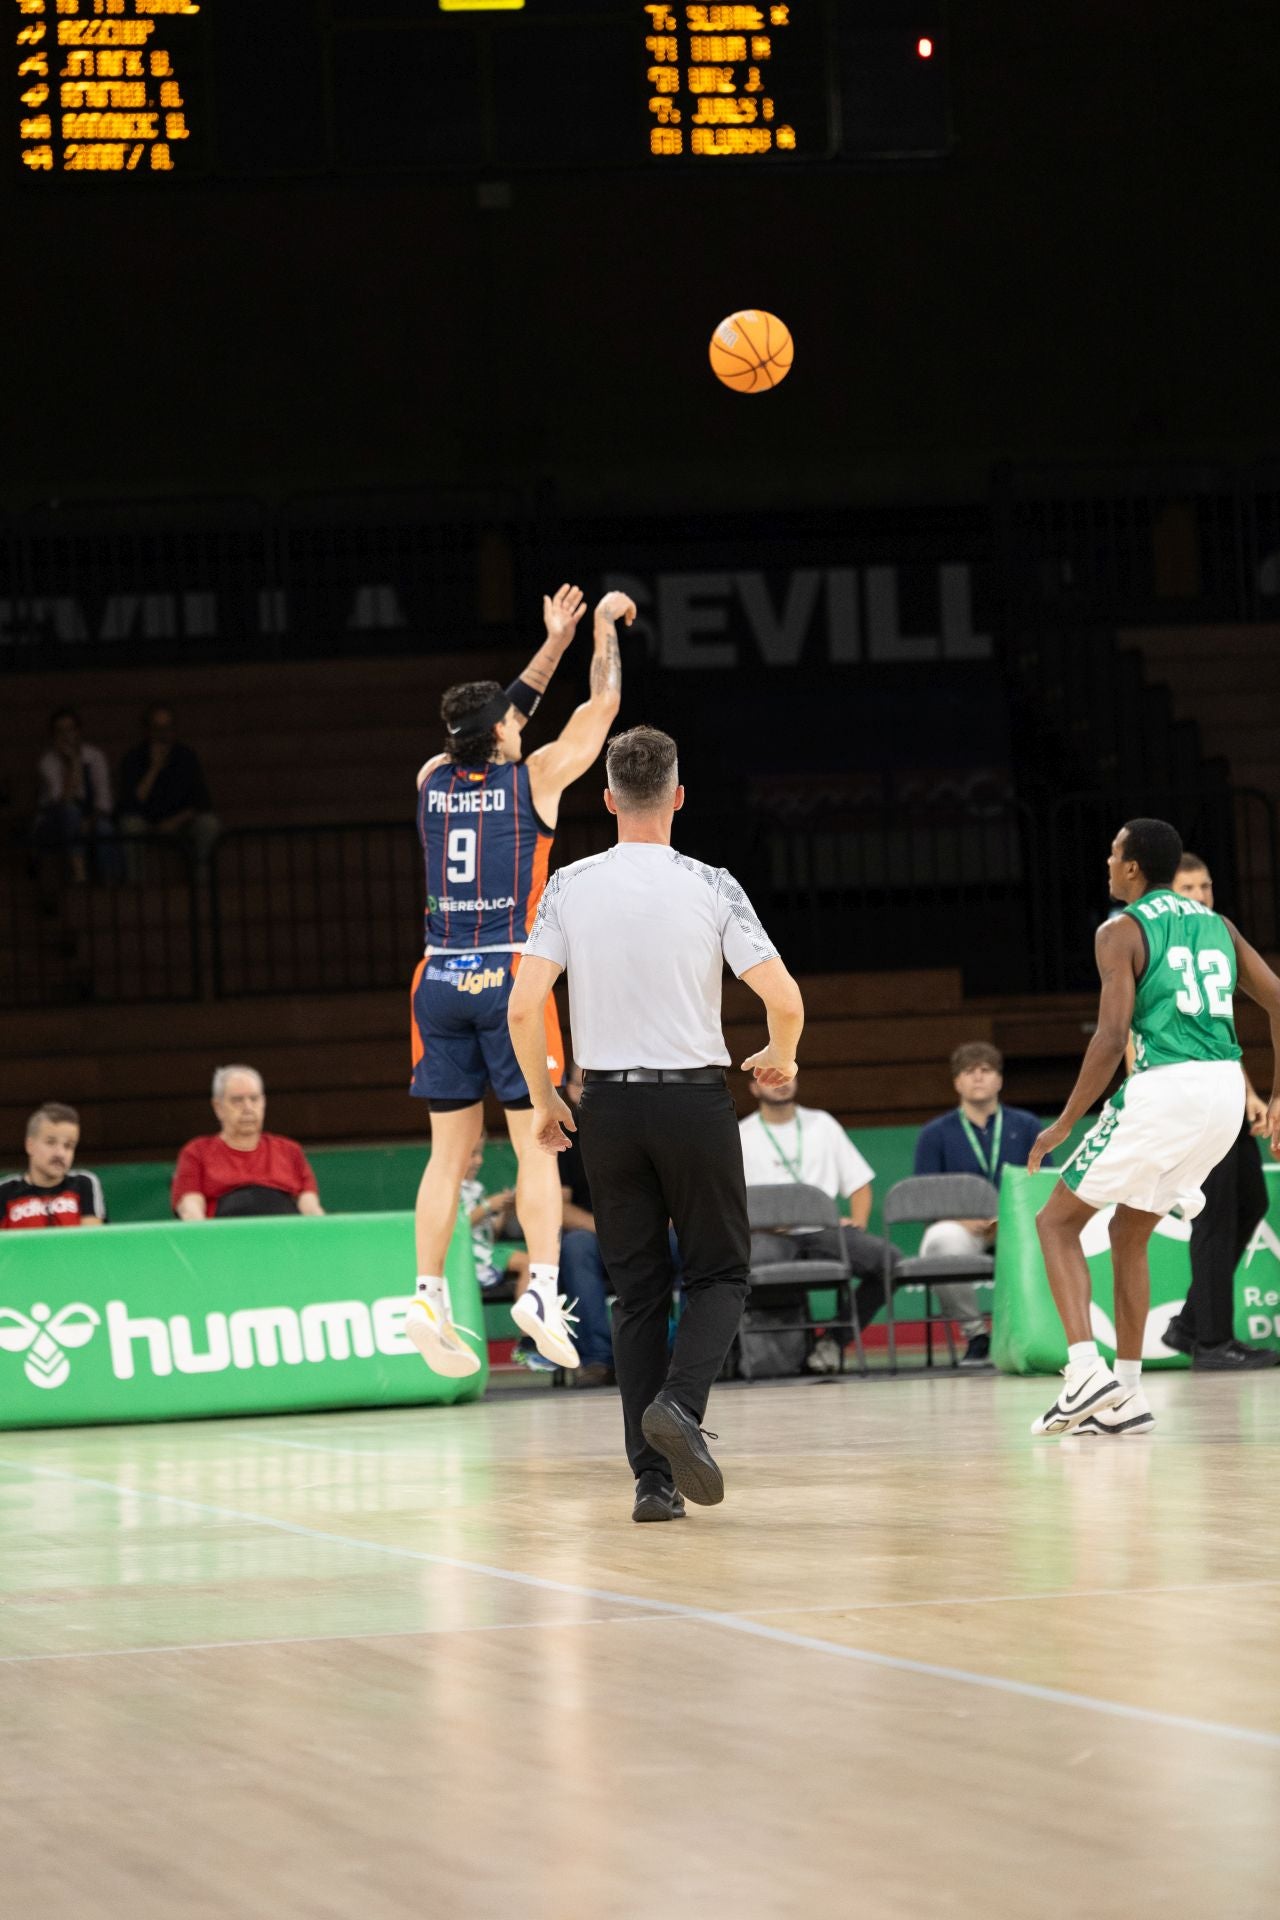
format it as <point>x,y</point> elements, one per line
<point>924,1199</point>
<point>775,1209</point>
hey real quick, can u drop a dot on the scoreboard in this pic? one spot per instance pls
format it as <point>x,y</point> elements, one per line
<point>167,89</point>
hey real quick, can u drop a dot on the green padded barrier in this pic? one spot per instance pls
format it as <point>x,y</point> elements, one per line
<point>1026,1334</point>
<point>182,1321</point>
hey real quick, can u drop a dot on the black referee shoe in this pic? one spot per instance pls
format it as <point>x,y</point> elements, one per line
<point>675,1433</point>
<point>1233,1357</point>
<point>656,1498</point>
<point>1176,1336</point>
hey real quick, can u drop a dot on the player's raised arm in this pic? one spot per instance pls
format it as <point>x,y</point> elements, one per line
<point>561,613</point>
<point>1121,957</point>
<point>1261,984</point>
<point>554,766</point>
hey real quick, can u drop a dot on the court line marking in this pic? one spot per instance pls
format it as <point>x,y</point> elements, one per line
<point>1002,1599</point>
<point>707,1616</point>
<point>321,1639</point>
<point>596,1620</point>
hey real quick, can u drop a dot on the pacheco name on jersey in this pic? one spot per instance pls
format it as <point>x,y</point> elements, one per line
<point>481,800</point>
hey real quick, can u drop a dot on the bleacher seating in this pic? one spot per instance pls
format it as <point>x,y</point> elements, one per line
<point>336,1066</point>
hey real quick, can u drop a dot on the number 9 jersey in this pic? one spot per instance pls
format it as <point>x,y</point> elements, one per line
<point>487,855</point>
<point>1183,1007</point>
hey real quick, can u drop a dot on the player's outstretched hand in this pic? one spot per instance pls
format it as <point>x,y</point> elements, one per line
<point>1046,1142</point>
<point>549,1125</point>
<point>1273,1125</point>
<point>617,606</point>
<point>768,1070</point>
<point>1256,1112</point>
<point>561,613</point>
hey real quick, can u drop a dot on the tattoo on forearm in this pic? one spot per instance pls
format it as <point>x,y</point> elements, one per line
<point>543,664</point>
<point>606,664</point>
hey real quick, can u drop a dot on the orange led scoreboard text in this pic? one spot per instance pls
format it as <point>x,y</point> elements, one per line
<point>100,85</point>
<point>718,81</point>
<point>163,90</point>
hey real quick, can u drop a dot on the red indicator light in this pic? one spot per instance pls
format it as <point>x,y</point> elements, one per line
<point>924,48</point>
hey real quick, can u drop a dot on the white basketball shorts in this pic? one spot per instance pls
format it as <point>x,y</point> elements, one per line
<point>1159,1136</point>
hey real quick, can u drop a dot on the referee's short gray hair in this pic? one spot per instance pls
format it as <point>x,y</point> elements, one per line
<point>221,1075</point>
<point>641,769</point>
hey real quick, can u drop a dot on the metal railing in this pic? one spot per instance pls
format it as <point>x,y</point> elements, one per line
<point>102,583</point>
<point>1234,829</point>
<point>1009,893</point>
<point>130,930</point>
<point>326,909</point>
<point>1131,545</point>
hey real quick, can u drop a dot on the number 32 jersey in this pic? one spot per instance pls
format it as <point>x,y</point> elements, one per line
<point>486,854</point>
<point>1183,1008</point>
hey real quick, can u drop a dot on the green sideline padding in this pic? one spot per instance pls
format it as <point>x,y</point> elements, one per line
<point>183,1321</point>
<point>1026,1334</point>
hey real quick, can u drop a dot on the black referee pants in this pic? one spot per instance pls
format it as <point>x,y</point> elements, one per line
<point>1235,1199</point>
<point>653,1154</point>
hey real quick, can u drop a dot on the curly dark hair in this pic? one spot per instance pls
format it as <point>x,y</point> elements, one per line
<point>459,702</point>
<point>1156,847</point>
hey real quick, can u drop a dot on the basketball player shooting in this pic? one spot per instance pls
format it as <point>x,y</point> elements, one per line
<point>486,818</point>
<point>1169,968</point>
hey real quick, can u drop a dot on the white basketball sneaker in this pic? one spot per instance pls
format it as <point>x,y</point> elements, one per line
<point>1078,1397</point>
<point>1119,1422</point>
<point>428,1327</point>
<point>548,1319</point>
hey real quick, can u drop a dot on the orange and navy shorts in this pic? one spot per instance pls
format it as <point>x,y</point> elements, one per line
<point>458,1031</point>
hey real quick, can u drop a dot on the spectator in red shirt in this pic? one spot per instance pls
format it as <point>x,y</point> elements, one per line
<point>242,1170</point>
<point>49,1194</point>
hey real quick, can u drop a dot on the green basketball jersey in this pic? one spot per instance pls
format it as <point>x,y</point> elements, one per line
<point>1183,1008</point>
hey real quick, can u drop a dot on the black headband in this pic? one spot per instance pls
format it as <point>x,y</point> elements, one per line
<point>483,719</point>
<point>519,695</point>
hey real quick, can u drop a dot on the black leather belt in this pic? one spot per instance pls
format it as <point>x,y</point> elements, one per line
<point>658,1076</point>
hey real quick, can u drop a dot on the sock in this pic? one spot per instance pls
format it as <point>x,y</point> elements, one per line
<point>545,1277</point>
<point>1130,1371</point>
<point>1083,1355</point>
<point>431,1287</point>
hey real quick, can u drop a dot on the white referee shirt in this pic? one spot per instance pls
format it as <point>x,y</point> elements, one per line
<point>812,1148</point>
<point>644,933</point>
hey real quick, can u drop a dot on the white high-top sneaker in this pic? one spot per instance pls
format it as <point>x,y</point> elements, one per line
<point>428,1327</point>
<point>548,1319</point>
<point>1126,1417</point>
<point>1080,1396</point>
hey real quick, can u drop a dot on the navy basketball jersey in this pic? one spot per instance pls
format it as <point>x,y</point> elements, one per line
<point>486,854</point>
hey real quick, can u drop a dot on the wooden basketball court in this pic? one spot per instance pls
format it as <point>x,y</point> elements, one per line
<point>423,1663</point>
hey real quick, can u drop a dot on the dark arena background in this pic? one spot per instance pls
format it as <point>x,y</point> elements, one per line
<point>339,333</point>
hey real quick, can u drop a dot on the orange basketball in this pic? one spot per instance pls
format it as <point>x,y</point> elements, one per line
<point>751,351</point>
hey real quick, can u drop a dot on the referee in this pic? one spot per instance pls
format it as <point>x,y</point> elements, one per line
<point>644,933</point>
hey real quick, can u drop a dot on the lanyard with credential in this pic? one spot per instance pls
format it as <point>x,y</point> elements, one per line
<point>792,1166</point>
<point>991,1171</point>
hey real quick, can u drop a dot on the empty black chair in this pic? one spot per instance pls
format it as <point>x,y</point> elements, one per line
<point>924,1199</point>
<point>777,1209</point>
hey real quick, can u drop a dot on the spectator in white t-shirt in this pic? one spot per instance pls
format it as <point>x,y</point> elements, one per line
<point>784,1141</point>
<point>74,806</point>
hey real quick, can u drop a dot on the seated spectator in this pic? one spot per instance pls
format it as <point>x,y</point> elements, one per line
<point>242,1170</point>
<point>783,1141</point>
<point>582,1275</point>
<point>49,1194</point>
<point>979,1136</point>
<point>162,787</point>
<point>74,803</point>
